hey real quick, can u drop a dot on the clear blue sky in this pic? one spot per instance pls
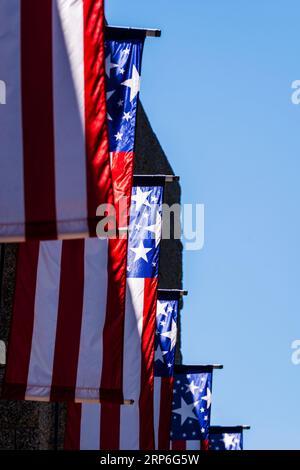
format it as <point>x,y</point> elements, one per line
<point>217,88</point>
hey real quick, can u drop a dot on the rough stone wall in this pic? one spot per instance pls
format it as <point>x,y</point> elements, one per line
<point>32,425</point>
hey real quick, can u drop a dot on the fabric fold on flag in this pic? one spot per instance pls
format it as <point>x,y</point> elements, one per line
<point>67,333</point>
<point>54,165</point>
<point>226,438</point>
<point>191,406</point>
<point>110,426</point>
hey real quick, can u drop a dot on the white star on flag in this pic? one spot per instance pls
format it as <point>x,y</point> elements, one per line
<point>159,354</point>
<point>161,308</point>
<point>109,65</point>
<point>127,117</point>
<point>191,387</point>
<point>156,229</point>
<point>207,398</point>
<point>185,411</point>
<point>133,83</point>
<point>140,198</point>
<point>141,252</point>
<point>119,136</point>
<point>228,440</point>
<point>172,334</point>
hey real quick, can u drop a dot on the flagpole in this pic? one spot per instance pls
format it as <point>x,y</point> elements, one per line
<point>181,368</point>
<point>166,178</point>
<point>94,401</point>
<point>232,428</point>
<point>148,32</point>
<point>179,291</point>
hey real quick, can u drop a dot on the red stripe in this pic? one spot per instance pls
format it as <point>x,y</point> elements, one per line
<point>204,445</point>
<point>147,366</point>
<point>19,350</point>
<point>99,182</point>
<point>37,116</point>
<point>122,173</point>
<point>110,427</point>
<point>178,445</point>
<point>113,331</point>
<point>166,395</point>
<point>72,432</point>
<point>68,321</point>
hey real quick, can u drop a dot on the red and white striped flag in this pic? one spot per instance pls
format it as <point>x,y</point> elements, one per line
<point>54,161</point>
<point>67,323</point>
<point>86,422</point>
<point>110,426</point>
<point>67,331</point>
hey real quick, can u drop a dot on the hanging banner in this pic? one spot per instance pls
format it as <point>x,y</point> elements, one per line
<point>54,163</point>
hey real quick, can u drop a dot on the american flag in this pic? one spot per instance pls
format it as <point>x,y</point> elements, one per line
<point>226,438</point>
<point>191,406</point>
<point>67,334</point>
<point>110,426</point>
<point>165,346</point>
<point>54,165</point>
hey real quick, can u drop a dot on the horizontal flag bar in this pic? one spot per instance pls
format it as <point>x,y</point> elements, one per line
<point>152,180</point>
<point>121,32</point>
<point>228,429</point>
<point>183,368</point>
<point>125,402</point>
<point>169,294</point>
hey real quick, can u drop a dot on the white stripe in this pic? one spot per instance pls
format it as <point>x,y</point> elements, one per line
<point>45,320</point>
<point>129,417</point>
<point>69,118</point>
<point>193,445</point>
<point>93,319</point>
<point>130,427</point>
<point>90,427</point>
<point>133,329</point>
<point>12,211</point>
<point>156,404</point>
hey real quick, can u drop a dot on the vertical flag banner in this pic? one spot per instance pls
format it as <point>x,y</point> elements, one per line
<point>110,426</point>
<point>54,162</point>
<point>123,61</point>
<point>67,332</point>
<point>226,438</point>
<point>165,346</point>
<point>191,407</point>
